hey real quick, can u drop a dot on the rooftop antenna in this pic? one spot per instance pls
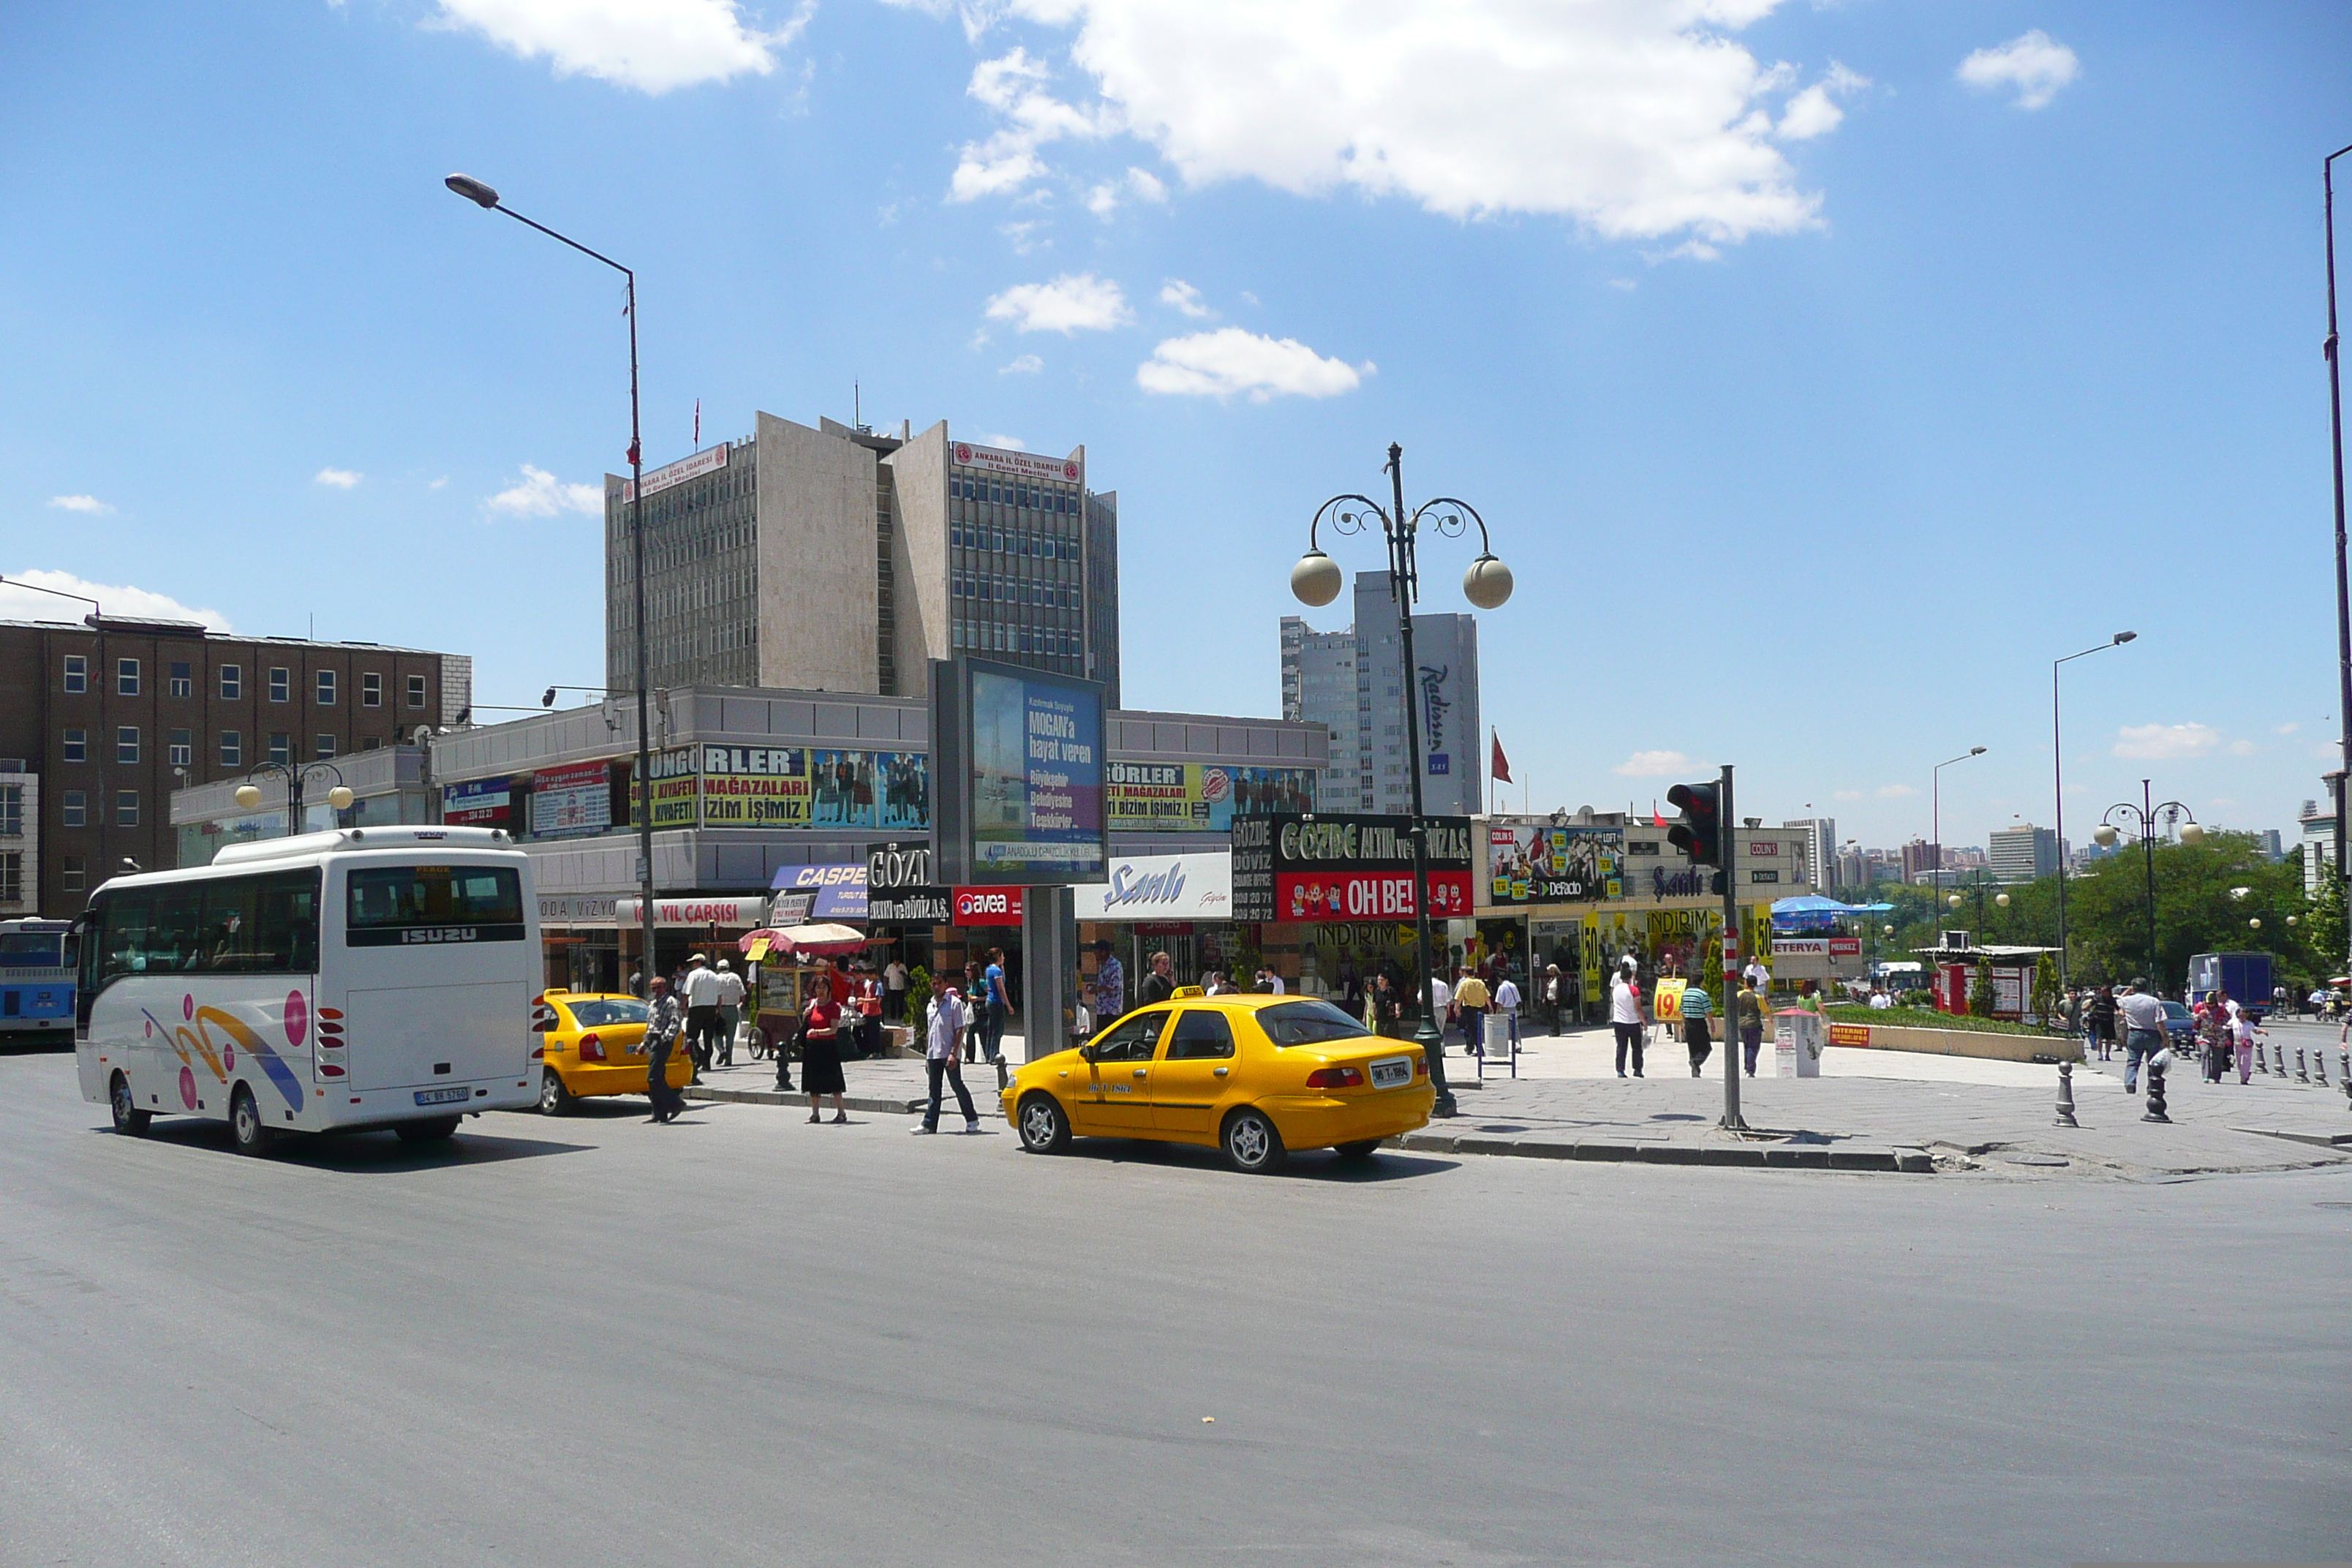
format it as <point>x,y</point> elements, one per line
<point>856,407</point>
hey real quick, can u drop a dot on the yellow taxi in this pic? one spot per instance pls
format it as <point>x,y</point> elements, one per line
<point>593,1044</point>
<point>1256,1075</point>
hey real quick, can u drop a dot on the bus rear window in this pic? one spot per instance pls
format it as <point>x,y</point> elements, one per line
<point>32,949</point>
<point>398,898</point>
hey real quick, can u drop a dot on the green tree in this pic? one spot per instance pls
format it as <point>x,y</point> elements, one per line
<point>1980,990</point>
<point>919,997</point>
<point>2045,988</point>
<point>2320,923</point>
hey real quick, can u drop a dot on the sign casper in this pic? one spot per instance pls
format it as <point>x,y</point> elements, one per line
<point>1332,867</point>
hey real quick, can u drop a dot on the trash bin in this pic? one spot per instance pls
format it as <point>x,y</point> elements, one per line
<point>1494,1042</point>
<point>1797,1043</point>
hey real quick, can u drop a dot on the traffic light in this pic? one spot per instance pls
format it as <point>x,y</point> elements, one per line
<point>1699,834</point>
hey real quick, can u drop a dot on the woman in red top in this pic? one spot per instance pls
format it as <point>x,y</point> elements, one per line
<point>821,1054</point>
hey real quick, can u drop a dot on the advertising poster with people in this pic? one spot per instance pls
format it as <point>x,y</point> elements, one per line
<point>1037,778</point>
<point>1533,861</point>
<point>1197,797</point>
<point>791,787</point>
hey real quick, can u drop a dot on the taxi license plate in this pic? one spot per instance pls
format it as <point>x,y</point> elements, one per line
<point>442,1096</point>
<point>1393,1072</point>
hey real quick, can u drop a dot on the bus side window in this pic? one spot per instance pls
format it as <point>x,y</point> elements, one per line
<point>176,940</point>
<point>286,923</point>
<point>228,926</point>
<point>122,941</point>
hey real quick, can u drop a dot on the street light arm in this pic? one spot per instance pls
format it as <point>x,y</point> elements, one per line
<point>1485,545</point>
<point>568,240</point>
<point>1344,521</point>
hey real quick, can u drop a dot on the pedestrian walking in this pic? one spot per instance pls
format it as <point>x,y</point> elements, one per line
<point>999,1003</point>
<point>730,1011</point>
<point>663,1022</point>
<point>701,1011</point>
<point>1471,1000</point>
<point>2216,1033</point>
<point>2143,1019</point>
<point>1506,1003</point>
<point>894,979</point>
<point>821,1053</point>
<point>1758,978</point>
<point>944,1028</point>
<point>975,1007</point>
<point>1110,984</point>
<point>1384,1008</point>
<point>2103,1021</point>
<point>1626,1017</point>
<point>1750,1002</point>
<point>1159,985</point>
<point>2243,1043</point>
<point>1698,1025</point>
<point>1553,999</point>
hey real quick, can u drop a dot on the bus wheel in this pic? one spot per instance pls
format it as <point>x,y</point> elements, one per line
<point>252,1135</point>
<point>431,1131</point>
<point>128,1120</point>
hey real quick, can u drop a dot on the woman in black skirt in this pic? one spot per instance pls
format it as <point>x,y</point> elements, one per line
<point>821,1054</point>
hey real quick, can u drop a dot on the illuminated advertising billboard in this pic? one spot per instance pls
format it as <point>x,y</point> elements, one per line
<point>1021,775</point>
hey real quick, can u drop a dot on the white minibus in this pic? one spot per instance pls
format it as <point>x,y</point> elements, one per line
<point>362,977</point>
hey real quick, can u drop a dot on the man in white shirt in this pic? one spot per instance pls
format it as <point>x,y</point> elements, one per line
<point>945,1025</point>
<point>1757,975</point>
<point>730,1011</point>
<point>2143,1018</point>
<point>701,990</point>
<point>1626,1017</point>
<point>894,993</point>
<point>1441,1005</point>
<point>1507,1002</point>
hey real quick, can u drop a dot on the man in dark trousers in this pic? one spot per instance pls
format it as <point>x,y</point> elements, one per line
<point>946,1025</point>
<point>663,1022</point>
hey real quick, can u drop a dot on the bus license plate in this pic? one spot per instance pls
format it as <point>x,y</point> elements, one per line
<point>442,1096</point>
<point>1393,1072</point>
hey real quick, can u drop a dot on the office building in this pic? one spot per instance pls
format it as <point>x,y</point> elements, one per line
<point>1918,860</point>
<point>1352,683</point>
<point>101,720</point>
<point>835,559</point>
<point>2318,822</point>
<point>2273,845</point>
<point>2023,854</point>
<point>1819,848</point>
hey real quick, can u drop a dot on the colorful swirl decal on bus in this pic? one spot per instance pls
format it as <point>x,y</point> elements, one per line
<point>220,1056</point>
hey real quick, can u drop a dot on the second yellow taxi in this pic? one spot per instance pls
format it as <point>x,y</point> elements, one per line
<point>1256,1075</point>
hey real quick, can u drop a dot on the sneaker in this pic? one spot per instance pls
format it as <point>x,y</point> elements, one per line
<point>918,1128</point>
<point>971,1126</point>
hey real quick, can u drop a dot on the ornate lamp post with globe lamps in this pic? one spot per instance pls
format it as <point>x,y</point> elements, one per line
<point>2143,816</point>
<point>1315,581</point>
<point>249,795</point>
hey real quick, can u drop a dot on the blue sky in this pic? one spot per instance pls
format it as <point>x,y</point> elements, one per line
<point>1823,371</point>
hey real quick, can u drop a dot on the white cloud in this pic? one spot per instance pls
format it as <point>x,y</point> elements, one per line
<point>1896,791</point>
<point>1849,795</point>
<point>1141,184</point>
<point>2288,729</point>
<point>1814,111</point>
<point>1625,284</point>
<point>438,483</point>
<point>1652,764</point>
<point>652,46</point>
<point>1185,297</point>
<point>1229,360</point>
<point>1074,302</point>
<point>1012,86</point>
<point>541,494</point>
<point>2243,748</point>
<point>2165,742</point>
<point>337,478</point>
<point>1637,119</point>
<point>1010,443</point>
<point>18,604</point>
<point>1027,365</point>
<point>2035,64</point>
<point>90,504</point>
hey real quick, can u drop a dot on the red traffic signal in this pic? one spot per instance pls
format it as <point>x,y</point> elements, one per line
<point>1699,834</point>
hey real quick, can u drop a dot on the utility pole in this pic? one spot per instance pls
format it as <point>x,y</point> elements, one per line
<point>1732,1119</point>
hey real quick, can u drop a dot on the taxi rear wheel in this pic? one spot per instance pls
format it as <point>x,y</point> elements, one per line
<point>554,1100</point>
<point>1044,1130</point>
<point>1251,1144</point>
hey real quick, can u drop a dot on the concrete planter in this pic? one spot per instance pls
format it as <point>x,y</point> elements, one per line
<point>1957,1043</point>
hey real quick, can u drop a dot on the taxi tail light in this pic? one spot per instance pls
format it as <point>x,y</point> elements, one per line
<point>1421,1066</point>
<point>1336,1078</point>
<point>591,1049</point>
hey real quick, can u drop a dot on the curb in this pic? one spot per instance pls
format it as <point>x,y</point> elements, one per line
<point>848,1102</point>
<point>1801,1157</point>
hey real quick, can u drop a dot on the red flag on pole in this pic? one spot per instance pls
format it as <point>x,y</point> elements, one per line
<point>1501,765</point>
<point>1655,820</point>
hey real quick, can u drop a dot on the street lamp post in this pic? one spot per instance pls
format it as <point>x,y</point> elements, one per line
<point>2144,815</point>
<point>1315,581</point>
<point>2058,787</point>
<point>2336,445</point>
<point>249,795</point>
<point>483,196</point>
<point>1936,811</point>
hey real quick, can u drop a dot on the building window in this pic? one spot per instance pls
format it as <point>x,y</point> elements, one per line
<point>11,876</point>
<point>371,690</point>
<point>417,691</point>
<point>77,672</point>
<point>183,749</point>
<point>126,677</point>
<point>326,744</point>
<point>126,808</point>
<point>76,745</point>
<point>232,682</point>
<point>75,809</point>
<point>12,811</point>
<point>75,875</point>
<point>281,684</point>
<point>281,747</point>
<point>326,688</point>
<point>126,743</point>
<point>232,749</point>
<point>184,682</point>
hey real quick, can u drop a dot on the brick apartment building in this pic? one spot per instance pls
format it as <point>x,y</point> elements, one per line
<point>101,720</point>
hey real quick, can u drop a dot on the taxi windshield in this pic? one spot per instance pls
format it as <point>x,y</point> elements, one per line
<point>1306,1023</point>
<point>606,1011</point>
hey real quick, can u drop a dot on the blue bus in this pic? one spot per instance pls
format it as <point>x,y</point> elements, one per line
<point>37,979</point>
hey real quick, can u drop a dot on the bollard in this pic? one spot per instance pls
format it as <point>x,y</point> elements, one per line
<point>2066,1095</point>
<point>2344,1075</point>
<point>1003,1073</point>
<point>2262,1060</point>
<point>2156,1065</point>
<point>2300,1075</point>
<point>2280,1048</point>
<point>2319,1066</point>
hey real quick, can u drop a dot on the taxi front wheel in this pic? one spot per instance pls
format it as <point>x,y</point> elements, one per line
<point>1251,1144</point>
<point>1043,1129</point>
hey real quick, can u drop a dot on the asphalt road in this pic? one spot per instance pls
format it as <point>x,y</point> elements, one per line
<point>742,1338</point>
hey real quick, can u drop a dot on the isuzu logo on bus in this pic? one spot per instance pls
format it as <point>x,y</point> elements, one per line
<point>441,933</point>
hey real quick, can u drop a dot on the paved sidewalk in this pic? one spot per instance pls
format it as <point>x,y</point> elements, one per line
<point>895,1085</point>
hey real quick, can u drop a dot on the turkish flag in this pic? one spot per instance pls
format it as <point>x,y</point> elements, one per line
<point>1501,767</point>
